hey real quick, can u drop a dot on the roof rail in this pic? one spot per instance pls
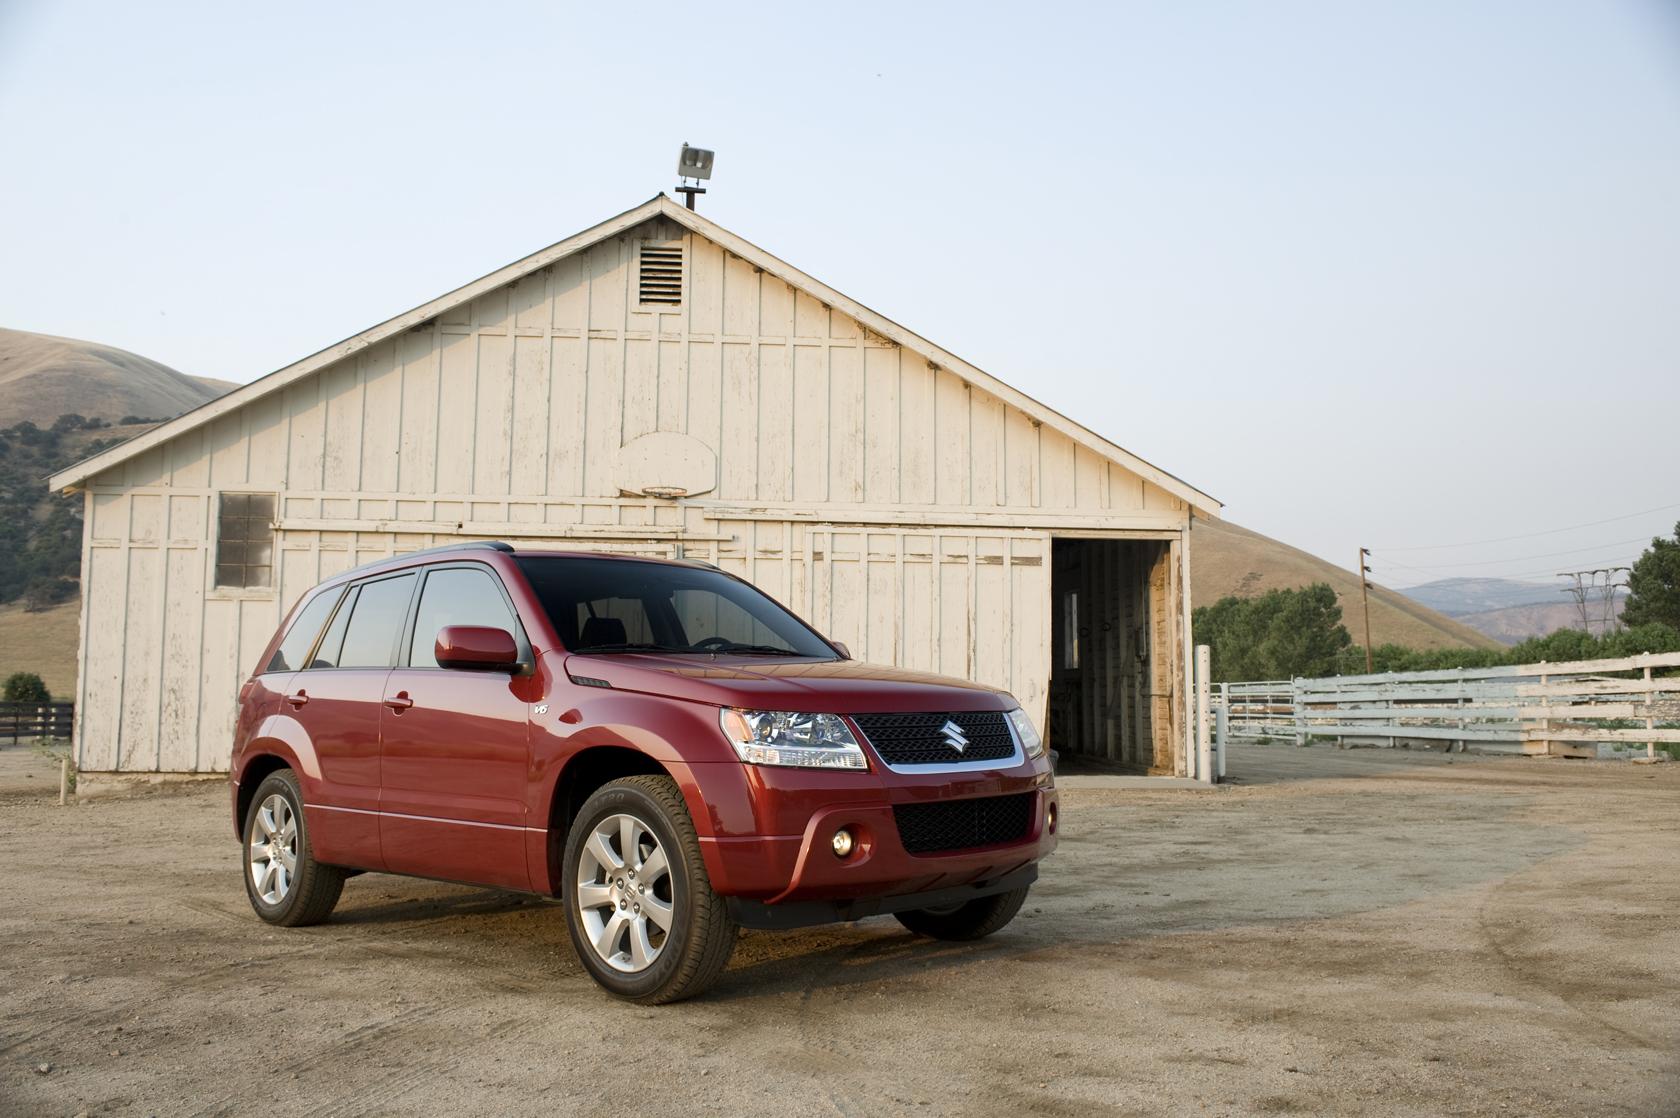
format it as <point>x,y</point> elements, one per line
<point>464,545</point>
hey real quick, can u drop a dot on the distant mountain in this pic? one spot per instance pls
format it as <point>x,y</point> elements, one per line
<point>1515,624</point>
<point>43,377</point>
<point>1229,560</point>
<point>1457,596</point>
<point>1507,610</point>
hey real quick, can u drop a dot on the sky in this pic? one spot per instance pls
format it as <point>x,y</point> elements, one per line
<point>1400,275</point>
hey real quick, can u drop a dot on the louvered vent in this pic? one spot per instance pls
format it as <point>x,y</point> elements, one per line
<point>661,275</point>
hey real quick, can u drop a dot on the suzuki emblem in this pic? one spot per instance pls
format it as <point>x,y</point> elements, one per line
<point>954,736</point>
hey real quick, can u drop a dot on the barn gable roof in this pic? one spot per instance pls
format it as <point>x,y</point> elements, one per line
<point>657,206</point>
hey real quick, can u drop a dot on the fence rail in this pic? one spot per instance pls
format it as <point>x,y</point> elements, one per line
<point>1565,709</point>
<point>1257,710</point>
<point>36,720</point>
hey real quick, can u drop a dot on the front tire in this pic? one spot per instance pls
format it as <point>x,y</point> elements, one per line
<point>284,882</point>
<point>639,905</point>
<point>975,919</point>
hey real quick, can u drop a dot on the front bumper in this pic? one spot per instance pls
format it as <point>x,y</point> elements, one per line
<point>778,870</point>
<point>804,914</point>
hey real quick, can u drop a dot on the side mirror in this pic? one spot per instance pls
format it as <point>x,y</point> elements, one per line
<point>845,653</point>
<point>475,647</point>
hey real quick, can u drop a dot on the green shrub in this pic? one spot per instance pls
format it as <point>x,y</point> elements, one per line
<point>26,687</point>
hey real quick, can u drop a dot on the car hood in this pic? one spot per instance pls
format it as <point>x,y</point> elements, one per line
<point>775,683</point>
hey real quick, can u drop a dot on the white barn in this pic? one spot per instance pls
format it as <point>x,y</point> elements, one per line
<point>654,385</point>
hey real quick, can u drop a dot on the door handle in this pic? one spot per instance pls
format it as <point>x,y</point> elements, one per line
<point>399,702</point>
<point>297,700</point>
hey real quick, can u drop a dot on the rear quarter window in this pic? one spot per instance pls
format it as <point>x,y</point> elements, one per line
<point>300,638</point>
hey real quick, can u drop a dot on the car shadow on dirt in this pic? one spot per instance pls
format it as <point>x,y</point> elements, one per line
<point>449,902</point>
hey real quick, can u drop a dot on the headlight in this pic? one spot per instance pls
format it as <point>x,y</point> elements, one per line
<point>806,741</point>
<point>1024,729</point>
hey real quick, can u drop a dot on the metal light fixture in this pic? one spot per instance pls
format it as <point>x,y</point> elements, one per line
<point>696,164</point>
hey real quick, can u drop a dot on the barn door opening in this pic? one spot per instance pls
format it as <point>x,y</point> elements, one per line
<point>1111,671</point>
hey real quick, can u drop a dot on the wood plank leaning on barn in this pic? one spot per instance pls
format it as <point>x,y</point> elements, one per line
<point>904,501</point>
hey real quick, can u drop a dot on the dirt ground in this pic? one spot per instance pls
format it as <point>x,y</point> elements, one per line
<point>1362,932</point>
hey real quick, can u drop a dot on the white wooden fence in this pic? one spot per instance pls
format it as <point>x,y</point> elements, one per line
<point>1563,709</point>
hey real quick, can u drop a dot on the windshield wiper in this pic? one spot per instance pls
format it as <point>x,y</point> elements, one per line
<point>766,649</point>
<point>628,647</point>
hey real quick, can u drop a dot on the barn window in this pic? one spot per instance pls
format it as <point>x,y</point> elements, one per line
<point>245,540</point>
<point>659,278</point>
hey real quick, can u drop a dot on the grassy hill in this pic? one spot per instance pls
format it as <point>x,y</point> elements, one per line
<point>43,377</point>
<point>1226,559</point>
<point>43,642</point>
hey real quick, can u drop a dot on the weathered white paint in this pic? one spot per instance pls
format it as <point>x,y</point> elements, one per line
<point>905,503</point>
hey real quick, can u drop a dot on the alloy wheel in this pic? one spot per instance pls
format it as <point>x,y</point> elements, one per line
<point>273,849</point>
<point>625,893</point>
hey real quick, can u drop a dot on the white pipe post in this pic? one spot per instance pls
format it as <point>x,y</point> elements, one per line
<point>1222,731</point>
<point>1650,723</point>
<point>1204,745</point>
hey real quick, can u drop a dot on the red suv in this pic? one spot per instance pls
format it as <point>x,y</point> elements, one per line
<point>658,745</point>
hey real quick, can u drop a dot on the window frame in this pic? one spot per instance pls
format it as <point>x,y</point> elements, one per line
<point>351,592</point>
<point>221,589</point>
<point>405,647</point>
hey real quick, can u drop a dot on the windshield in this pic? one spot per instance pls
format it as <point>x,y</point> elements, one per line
<point>610,605</point>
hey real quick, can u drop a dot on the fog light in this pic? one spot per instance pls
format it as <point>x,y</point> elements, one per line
<point>1050,817</point>
<point>842,842</point>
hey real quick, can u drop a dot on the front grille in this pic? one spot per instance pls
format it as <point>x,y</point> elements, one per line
<point>960,824</point>
<point>919,739</point>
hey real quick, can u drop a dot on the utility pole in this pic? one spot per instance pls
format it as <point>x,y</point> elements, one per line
<point>1365,601</point>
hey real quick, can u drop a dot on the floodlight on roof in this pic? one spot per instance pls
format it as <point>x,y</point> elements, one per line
<point>696,164</point>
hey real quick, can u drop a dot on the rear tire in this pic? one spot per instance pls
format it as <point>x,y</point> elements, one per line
<point>639,905</point>
<point>974,920</point>
<point>284,882</point>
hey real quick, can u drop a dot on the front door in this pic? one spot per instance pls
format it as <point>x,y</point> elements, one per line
<point>454,749</point>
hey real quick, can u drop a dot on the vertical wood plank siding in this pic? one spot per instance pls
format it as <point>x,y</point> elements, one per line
<point>509,412</point>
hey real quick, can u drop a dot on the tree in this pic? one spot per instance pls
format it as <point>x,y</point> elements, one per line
<point>1654,585</point>
<point>1278,635</point>
<point>26,687</point>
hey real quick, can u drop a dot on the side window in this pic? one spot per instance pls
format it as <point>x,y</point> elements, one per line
<point>245,540</point>
<point>295,645</point>
<point>371,637</point>
<point>456,596</point>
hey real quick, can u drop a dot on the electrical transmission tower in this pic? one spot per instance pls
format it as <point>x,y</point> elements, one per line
<point>1594,594</point>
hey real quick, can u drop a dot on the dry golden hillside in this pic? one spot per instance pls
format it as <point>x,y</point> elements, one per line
<point>43,377</point>
<point>1226,559</point>
<point>43,643</point>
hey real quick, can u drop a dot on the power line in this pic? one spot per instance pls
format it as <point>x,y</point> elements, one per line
<point>1526,558</point>
<point>1529,535</point>
<point>1543,572</point>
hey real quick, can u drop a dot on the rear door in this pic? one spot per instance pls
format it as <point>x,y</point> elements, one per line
<point>455,743</point>
<point>336,698</point>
